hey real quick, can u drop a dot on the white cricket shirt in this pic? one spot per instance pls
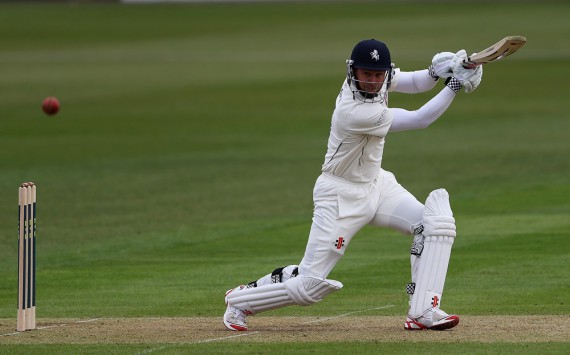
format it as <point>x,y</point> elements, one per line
<point>358,129</point>
<point>356,140</point>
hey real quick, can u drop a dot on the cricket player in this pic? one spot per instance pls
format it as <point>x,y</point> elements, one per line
<point>354,191</point>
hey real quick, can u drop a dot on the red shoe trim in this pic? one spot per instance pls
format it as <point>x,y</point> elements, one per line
<point>238,327</point>
<point>451,322</point>
<point>408,325</point>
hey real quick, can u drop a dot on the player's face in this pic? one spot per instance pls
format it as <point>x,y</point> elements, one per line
<point>370,81</point>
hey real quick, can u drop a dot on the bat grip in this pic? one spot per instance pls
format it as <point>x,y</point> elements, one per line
<point>469,65</point>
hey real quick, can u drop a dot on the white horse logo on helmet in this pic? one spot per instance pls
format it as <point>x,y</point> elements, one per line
<point>374,54</point>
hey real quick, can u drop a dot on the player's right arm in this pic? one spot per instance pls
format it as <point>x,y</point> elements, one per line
<point>423,80</point>
<point>412,82</point>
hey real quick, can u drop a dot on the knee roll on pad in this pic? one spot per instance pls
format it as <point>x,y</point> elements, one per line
<point>307,290</point>
<point>438,218</point>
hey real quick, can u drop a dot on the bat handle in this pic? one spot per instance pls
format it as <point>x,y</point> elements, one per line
<point>467,64</point>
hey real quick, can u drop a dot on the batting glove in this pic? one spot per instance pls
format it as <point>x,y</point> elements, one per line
<point>441,65</point>
<point>469,78</point>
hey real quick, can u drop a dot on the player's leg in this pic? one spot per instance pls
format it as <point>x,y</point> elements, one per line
<point>330,235</point>
<point>432,260</point>
<point>300,290</point>
<point>397,208</point>
<point>282,287</point>
<point>341,210</point>
<point>235,318</point>
<point>401,211</point>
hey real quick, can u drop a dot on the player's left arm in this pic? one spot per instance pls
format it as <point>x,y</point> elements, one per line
<point>404,120</point>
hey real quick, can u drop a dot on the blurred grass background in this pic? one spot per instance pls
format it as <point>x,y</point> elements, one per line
<point>183,159</point>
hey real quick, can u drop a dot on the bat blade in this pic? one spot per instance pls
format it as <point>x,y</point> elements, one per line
<point>497,51</point>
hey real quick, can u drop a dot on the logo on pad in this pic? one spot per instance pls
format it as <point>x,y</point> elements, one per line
<point>435,301</point>
<point>339,243</point>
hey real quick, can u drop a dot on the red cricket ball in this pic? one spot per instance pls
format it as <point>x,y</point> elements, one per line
<point>50,106</point>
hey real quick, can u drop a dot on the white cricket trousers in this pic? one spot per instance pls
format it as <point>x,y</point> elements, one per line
<point>342,208</point>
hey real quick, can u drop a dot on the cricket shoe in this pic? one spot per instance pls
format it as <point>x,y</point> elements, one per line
<point>234,319</point>
<point>433,318</point>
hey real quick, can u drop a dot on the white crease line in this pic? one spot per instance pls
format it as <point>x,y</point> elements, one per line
<point>347,314</point>
<point>206,340</point>
<point>224,338</point>
<point>88,320</point>
<point>53,326</point>
<point>148,351</point>
<point>64,324</point>
<point>9,334</point>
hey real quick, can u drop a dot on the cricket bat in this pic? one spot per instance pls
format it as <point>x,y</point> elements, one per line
<point>497,51</point>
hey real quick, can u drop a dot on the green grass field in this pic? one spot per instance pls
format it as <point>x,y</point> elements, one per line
<point>190,136</point>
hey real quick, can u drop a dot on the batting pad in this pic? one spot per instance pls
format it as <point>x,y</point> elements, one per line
<point>301,290</point>
<point>432,271</point>
<point>434,259</point>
